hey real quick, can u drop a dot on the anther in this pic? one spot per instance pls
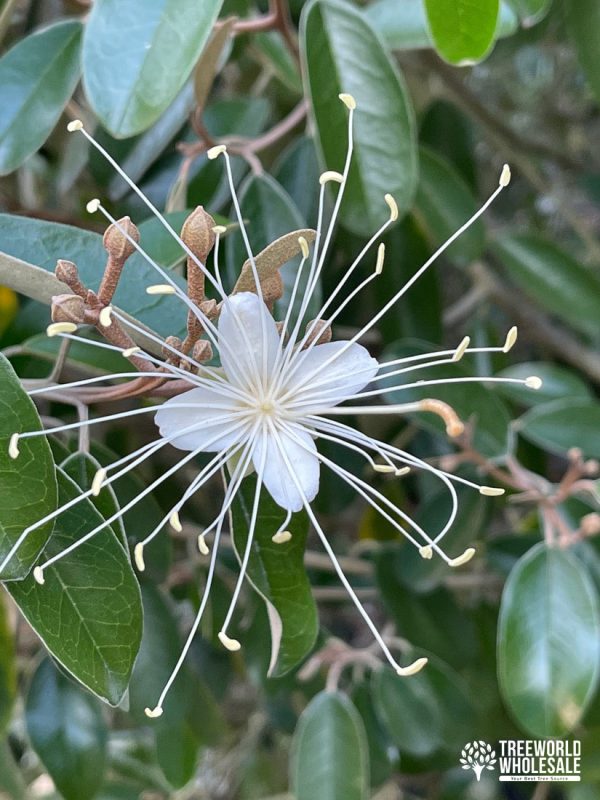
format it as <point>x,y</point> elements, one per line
<point>384,468</point>
<point>461,349</point>
<point>153,713</point>
<point>348,101</point>
<point>175,522</point>
<point>97,481</point>
<point>55,328</point>
<point>454,426</point>
<point>413,668</point>
<point>303,246</point>
<point>380,258</point>
<point>533,382</point>
<point>75,125</point>
<point>505,175</point>
<point>511,338</point>
<point>130,351</point>
<point>202,546</point>
<point>230,644</point>
<point>331,175</point>
<point>393,206</point>
<point>93,206</point>
<point>281,537</point>
<point>460,560</point>
<point>402,471</point>
<point>219,230</point>
<point>491,491</point>
<point>426,551</point>
<point>138,556</point>
<point>13,446</point>
<point>161,288</point>
<point>38,574</point>
<point>216,151</point>
<point>106,317</point>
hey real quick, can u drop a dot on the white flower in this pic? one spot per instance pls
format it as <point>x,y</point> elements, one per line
<point>277,393</point>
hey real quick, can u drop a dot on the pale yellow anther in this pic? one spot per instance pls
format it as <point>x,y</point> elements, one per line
<point>161,288</point>
<point>97,482</point>
<point>505,175</point>
<point>230,644</point>
<point>106,317</point>
<point>533,382</point>
<point>348,100</point>
<point>153,713</point>
<point>393,206</point>
<point>331,175</point>
<point>380,259</point>
<point>216,151</point>
<point>38,575</point>
<point>460,560</point>
<point>13,446</point>
<point>75,125</point>
<point>281,537</point>
<point>412,669</point>
<point>56,328</point>
<point>384,468</point>
<point>511,338</point>
<point>138,556</point>
<point>303,246</point>
<point>93,206</point>
<point>175,522</point>
<point>219,230</point>
<point>426,551</point>
<point>461,349</point>
<point>402,471</point>
<point>127,353</point>
<point>202,546</point>
<point>491,491</point>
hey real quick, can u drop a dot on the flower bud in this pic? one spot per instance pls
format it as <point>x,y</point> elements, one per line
<point>320,333</point>
<point>67,272</point>
<point>67,308</point>
<point>202,351</point>
<point>116,241</point>
<point>198,234</point>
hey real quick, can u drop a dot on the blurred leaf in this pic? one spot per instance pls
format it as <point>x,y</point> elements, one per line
<point>583,25</point>
<point>68,732</point>
<point>548,641</point>
<point>215,52</point>
<point>446,129</point>
<point>553,278</point>
<point>8,668</point>
<point>297,170</point>
<point>37,78</point>
<point>9,307</point>
<point>403,26</point>
<point>131,79</point>
<point>28,488</point>
<point>531,11</point>
<point>557,383</point>
<point>463,31</point>
<point>177,751</point>
<point>94,360</point>
<point>12,786</point>
<point>383,756</point>
<point>277,55</point>
<point>330,757</point>
<point>341,53</point>
<point>277,573</point>
<point>88,613</point>
<point>563,424</point>
<point>443,203</point>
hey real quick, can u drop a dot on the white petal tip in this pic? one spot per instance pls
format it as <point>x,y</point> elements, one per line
<point>202,546</point>
<point>75,125</point>
<point>393,206</point>
<point>303,246</point>
<point>97,482</point>
<point>93,206</point>
<point>426,551</point>
<point>13,446</point>
<point>229,644</point>
<point>105,317</point>
<point>161,288</point>
<point>413,668</point>
<point>348,100</point>
<point>56,328</point>
<point>463,559</point>
<point>153,713</point>
<point>138,556</point>
<point>38,575</point>
<point>281,537</point>
<point>384,468</point>
<point>461,349</point>
<point>215,152</point>
<point>331,175</point>
<point>505,175</point>
<point>491,491</point>
<point>511,338</point>
<point>175,522</point>
<point>533,382</point>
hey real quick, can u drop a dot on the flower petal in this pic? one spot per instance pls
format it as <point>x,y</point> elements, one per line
<point>347,374</point>
<point>276,475</point>
<point>243,349</point>
<point>212,432</point>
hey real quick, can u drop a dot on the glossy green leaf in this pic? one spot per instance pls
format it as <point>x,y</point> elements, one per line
<point>548,641</point>
<point>297,170</point>
<point>68,732</point>
<point>28,488</point>
<point>37,78</point>
<point>43,243</point>
<point>383,755</point>
<point>88,613</point>
<point>563,424</point>
<point>462,31</point>
<point>8,667</point>
<point>277,573</point>
<point>553,278</point>
<point>558,383</point>
<point>342,53</point>
<point>330,757</point>
<point>443,203</point>
<point>137,54</point>
<point>275,52</point>
<point>95,360</point>
<point>583,21</point>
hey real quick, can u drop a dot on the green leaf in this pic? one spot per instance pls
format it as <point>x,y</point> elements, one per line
<point>8,668</point>
<point>275,52</point>
<point>43,243</point>
<point>563,424</point>
<point>67,731</point>
<point>297,170</point>
<point>137,54</point>
<point>531,11</point>
<point>341,53</point>
<point>12,786</point>
<point>558,383</point>
<point>443,203</point>
<point>383,755</point>
<point>28,488</point>
<point>583,24</point>
<point>277,573</point>
<point>553,278</point>
<point>37,78</point>
<point>330,757</point>
<point>88,613</point>
<point>462,31</point>
<point>548,641</point>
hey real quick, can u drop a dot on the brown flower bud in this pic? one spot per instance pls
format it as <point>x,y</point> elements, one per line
<point>209,308</point>
<point>116,242</point>
<point>172,343</point>
<point>198,234</point>
<point>202,351</point>
<point>67,272</point>
<point>67,308</point>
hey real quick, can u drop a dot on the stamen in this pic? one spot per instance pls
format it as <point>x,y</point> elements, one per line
<point>331,175</point>
<point>491,491</point>
<point>153,713</point>
<point>348,100</point>
<point>533,382</point>
<point>138,555</point>
<point>93,206</point>
<point>511,338</point>
<point>161,288</point>
<point>130,351</point>
<point>105,317</point>
<point>97,481</point>
<point>219,230</point>
<point>505,176</point>
<point>380,258</point>
<point>216,151</point>
<point>75,125</point>
<point>281,537</point>
<point>202,546</point>
<point>384,468</point>
<point>461,349</point>
<point>175,522</point>
<point>426,551</point>
<point>454,425</point>
<point>393,206</point>
<point>230,644</point>
<point>38,575</point>
<point>413,668</point>
<point>13,446</point>
<point>402,471</point>
<point>466,556</point>
<point>303,246</point>
<point>56,328</point>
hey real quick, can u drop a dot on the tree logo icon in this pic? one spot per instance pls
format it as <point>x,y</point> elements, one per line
<point>478,756</point>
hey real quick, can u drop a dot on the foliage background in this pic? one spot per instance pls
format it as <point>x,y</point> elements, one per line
<point>515,634</point>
